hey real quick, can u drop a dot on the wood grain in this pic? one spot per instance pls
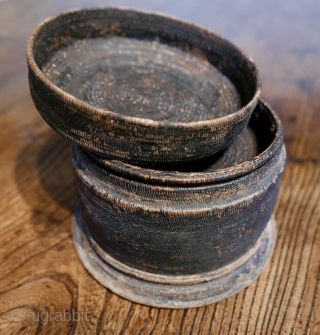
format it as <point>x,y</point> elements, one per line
<point>40,271</point>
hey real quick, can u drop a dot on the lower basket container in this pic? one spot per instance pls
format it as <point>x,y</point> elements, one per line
<point>183,237</point>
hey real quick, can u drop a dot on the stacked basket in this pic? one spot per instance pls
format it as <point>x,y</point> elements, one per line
<point>177,161</point>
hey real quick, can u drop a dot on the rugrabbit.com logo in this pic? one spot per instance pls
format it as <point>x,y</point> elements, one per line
<point>46,317</point>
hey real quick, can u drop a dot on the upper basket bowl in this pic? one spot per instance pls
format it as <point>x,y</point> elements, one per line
<point>139,86</point>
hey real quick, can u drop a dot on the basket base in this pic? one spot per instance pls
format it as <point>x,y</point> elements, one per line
<point>175,296</point>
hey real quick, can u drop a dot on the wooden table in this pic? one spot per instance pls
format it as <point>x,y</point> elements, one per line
<point>40,271</point>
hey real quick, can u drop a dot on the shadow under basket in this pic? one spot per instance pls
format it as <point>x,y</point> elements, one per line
<point>184,238</point>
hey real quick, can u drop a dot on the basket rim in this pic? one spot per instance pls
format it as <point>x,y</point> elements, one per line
<point>93,111</point>
<point>159,177</point>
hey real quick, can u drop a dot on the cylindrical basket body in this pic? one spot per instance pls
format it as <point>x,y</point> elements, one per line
<point>203,238</point>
